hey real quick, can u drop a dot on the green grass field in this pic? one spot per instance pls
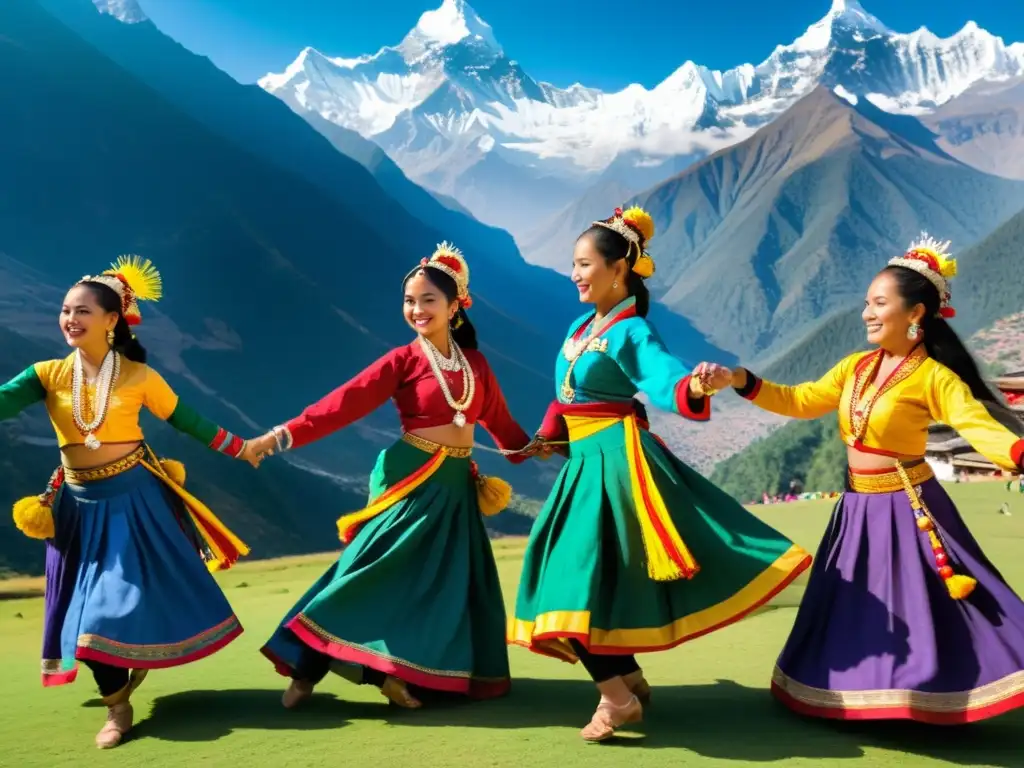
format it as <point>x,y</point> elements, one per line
<point>711,704</point>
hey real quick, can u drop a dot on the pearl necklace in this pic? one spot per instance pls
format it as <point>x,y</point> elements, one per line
<point>437,360</point>
<point>110,369</point>
<point>573,351</point>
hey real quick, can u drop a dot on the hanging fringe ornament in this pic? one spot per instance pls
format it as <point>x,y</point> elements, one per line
<point>33,515</point>
<point>34,518</point>
<point>957,585</point>
<point>174,470</point>
<point>492,493</point>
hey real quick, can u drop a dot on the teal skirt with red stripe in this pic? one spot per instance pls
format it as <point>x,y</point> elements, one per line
<point>415,595</point>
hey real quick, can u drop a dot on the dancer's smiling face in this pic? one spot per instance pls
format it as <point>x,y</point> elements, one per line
<point>428,310</point>
<point>887,316</point>
<point>83,320</point>
<point>597,280</point>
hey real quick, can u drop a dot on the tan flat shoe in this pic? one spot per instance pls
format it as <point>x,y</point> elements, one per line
<point>608,717</point>
<point>119,723</point>
<point>396,692</point>
<point>297,692</point>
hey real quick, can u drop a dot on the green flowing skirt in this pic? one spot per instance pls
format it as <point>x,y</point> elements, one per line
<point>585,574</point>
<point>415,595</point>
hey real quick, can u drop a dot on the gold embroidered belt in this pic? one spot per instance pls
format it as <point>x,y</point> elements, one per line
<point>91,475</point>
<point>428,446</point>
<point>890,480</point>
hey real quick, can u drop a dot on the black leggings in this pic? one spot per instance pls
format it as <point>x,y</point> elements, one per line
<point>313,666</point>
<point>109,679</point>
<point>603,667</point>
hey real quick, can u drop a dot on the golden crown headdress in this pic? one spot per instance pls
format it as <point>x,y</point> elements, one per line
<point>636,225</point>
<point>449,259</point>
<point>931,258</point>
<point>133,279</point>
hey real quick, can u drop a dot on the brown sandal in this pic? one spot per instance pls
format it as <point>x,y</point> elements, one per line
<point>119,723</point>
<point>608,717</point>
<point>394,690</point>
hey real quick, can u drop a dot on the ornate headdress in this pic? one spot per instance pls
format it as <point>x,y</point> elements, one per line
<point>449,259</point>
<point>931,259</point>
<point>636,225</point>
<point>133,279</point>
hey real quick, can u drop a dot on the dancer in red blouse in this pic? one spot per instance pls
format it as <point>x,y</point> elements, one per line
<point>414,597</point>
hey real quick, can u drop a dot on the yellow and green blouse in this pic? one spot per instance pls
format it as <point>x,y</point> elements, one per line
<point>891,417</point>
<point>137,386</point>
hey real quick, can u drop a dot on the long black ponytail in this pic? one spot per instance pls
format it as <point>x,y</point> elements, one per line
<point>463,332</point>
<point>124,340</point>
<point>944,346</point>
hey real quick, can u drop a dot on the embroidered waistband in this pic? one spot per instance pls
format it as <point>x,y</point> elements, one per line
<point>889,481</point>
<point>91,475</point>
<point>429,446</point>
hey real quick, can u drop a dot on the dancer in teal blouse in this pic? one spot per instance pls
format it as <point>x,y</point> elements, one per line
<point>634,551</point>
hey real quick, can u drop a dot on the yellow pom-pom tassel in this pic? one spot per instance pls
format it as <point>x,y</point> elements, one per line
<point>640,219</point>
<point>493,494</point>
<point>947,268</point>
<point>644,266</point>
<point>33,518</point>
<point>960,587</point>
<point>174,470</point>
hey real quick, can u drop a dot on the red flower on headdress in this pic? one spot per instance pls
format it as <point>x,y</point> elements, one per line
<point>618,211</point>
<point>451,262</point>
<point>927,258</point>
<point>466,302</point>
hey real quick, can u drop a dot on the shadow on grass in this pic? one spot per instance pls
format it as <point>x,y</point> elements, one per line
<point>195,716</point>
<point>725,721</point>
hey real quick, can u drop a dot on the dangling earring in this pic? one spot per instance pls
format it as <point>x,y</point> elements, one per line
<point>913,331</point>
<point>110,337</point>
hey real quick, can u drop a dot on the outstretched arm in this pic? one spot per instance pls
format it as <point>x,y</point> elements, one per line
<point>950,401</point>
<point>809,400</point>
<point>20,392</point>
<point>662,377</point>
<point>353,400</point>
<point>163,402</point>
<point>497,420</point>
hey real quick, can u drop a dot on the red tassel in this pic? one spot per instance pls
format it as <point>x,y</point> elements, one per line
<point>947,312</point>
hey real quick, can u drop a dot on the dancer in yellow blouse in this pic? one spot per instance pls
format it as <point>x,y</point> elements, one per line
<point>127,589</point>
<point>904,617</point>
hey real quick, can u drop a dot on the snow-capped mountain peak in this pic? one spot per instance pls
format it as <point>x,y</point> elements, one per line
<point>128,11</point>
<point>845,16</point>
<point>463,119</point>
<point>453,22</point>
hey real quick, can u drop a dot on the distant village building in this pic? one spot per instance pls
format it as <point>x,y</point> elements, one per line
<point>951,456</point>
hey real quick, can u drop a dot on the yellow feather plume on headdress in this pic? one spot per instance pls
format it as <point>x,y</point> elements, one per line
<point>939,251</point>
<point>640,219</point>
<point>140,274</point>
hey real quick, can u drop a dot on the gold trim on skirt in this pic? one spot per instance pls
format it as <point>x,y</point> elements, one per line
<point>91,475</point>
<point>429,446</point>
<point>890,481</point>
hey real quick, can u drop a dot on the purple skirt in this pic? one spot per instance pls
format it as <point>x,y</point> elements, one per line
<point>878,636</point>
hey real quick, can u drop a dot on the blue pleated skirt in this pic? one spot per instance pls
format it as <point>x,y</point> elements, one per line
<point>125,583</point>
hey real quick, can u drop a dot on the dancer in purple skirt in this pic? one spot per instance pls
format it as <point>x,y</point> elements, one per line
<point>904,616</point>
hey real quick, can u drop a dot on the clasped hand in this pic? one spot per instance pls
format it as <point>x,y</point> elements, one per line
<point>258,448</point>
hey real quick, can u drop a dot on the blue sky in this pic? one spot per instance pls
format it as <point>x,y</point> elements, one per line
<point>559,41</point>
